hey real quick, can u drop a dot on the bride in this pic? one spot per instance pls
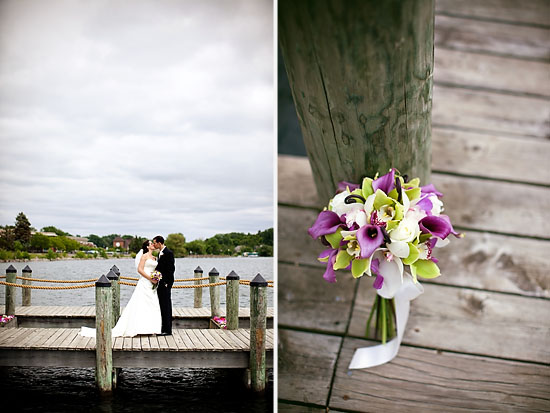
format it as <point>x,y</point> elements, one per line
<point>142,313</point>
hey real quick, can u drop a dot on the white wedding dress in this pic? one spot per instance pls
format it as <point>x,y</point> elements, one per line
<point>142,313</point>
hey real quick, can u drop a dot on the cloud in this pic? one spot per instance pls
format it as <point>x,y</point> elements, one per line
<point>137,117</point>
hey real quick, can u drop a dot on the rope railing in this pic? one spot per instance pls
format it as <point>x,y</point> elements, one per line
<point>42,287</point>
<point>242,282</point>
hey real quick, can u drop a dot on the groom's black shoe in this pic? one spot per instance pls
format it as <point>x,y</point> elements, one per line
<point>165,334</point>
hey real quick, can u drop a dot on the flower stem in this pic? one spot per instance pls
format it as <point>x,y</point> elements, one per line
<point>384,321</point>
<point>367,332</point>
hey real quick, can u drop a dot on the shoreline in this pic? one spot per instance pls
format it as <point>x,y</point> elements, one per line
<point>36,259</point>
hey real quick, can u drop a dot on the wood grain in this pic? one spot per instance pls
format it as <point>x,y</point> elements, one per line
<point>481,260</point>
<point>491,72</point>
<point>469,321</point>
<point>533,12</point>
<point>494,38</point>
<point>306,300</point>
<point>306,363</point>
<point>435,381</point>
<point>490,112</point>
<point>363,92</point>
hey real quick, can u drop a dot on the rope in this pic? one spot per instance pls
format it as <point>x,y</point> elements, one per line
<point>40,287</point>
<point>57,281</point>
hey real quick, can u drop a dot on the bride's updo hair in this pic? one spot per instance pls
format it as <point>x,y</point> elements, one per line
<point>145,246</point>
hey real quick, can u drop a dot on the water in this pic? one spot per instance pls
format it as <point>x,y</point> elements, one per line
<point>170,390</point>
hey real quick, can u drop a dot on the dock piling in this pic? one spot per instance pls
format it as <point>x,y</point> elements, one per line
<point>258,314</point>
<point>214,277</point>
<point>26,293</point>
<point>11,277</point>
<point>104,350</point>
<point>115,287</point>
<point>232,301</point>
<point>198,291</point>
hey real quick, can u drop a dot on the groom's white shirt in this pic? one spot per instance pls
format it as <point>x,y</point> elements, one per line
<point>160,253</point>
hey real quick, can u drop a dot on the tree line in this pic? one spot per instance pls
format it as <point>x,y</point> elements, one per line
<point>20,240</point>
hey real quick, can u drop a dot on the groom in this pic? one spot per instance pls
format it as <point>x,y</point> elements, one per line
<point>166,266</point>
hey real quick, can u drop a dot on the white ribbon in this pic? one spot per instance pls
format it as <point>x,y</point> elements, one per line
<point>366,357</point>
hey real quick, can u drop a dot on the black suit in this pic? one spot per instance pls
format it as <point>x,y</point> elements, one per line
<point>166,266</point>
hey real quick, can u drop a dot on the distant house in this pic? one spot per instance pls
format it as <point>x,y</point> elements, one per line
<point>82,240</point>
<point>47,234</point>
<point>121,243</point>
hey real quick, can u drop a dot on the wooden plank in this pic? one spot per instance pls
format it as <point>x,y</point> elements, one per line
<point>118,343</point>
<point>196,339</point>
<point>495,38</point>
<point>237,339</point>
<point>79,342</point>
<point>179,340</point>
<point>73,335</point>
<point>485,323</point>
<point>203,339</point>
<point>293,408</point>
<point>481,260</point>
<point>306,300</point>
<point>170,340</point>
<point>218,336</point>
<point>25,338</point>
<point>435,381</point>
<point>491,72</point>
<point>154,343</point>
<point>145,346</point>
<point>38,337</point>
<point>244,335</point>
<point>136,343</point>
<point>186,339</point>
<point>163,344</point>
<point>490,112</point>
<point>488,155</point>
<point>534,12</point>
<point>466,201</point>
<point>64,333</point>
<point>305,366</point>
<point>8,334</point>
<point>127,344</point>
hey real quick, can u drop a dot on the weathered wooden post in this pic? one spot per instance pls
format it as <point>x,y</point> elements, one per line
<point>232,301</point>
<point>198,290</point>
<point>214,277</point>
<point>115,286</point>
<point>11,277</point>
<point>26,293</point>
<point>360,72</point>
<point>103,325</point>
<point>258,314</point>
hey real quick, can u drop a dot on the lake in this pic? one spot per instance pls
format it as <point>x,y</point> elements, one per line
<point>170,390</point>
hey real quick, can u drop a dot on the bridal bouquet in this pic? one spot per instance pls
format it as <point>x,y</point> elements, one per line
<point>156,275</point>
<point>386,228</point>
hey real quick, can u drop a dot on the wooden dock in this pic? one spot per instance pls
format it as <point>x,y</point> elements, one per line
<point>49,336</point>
<point>189,348</point>
<point>479,337</point>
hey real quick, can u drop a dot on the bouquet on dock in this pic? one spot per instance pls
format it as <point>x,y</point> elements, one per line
<point>156,275</point>
<point>386,228</point>
<point>6,319</point>
<point>222,323</point>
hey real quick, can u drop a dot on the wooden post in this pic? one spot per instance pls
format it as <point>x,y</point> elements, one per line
<point>103,325</point>
<point>115,286</point>
<point>26,293</point>
<point>258,314</point>
<point>198,290</point>
<point>11,277</point>
<point>360,72</point>
<point>232,301</point>
<point>117,371</point>
<point>214,277</point>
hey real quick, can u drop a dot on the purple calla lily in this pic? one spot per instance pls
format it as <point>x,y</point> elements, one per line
<point>385,183</point>
<point>370,237</point>
<point>327,223</point>
<point>342,186</point>
<point>430,189</point>
<point>330,274</point>
<point>448,220</point>
<point>374,267</point>
<point>437,226</point>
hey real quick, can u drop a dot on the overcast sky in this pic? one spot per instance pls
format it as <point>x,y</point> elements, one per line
<point>137,117</point>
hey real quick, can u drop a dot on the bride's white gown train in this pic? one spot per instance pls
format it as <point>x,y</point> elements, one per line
<point>142,313</point>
